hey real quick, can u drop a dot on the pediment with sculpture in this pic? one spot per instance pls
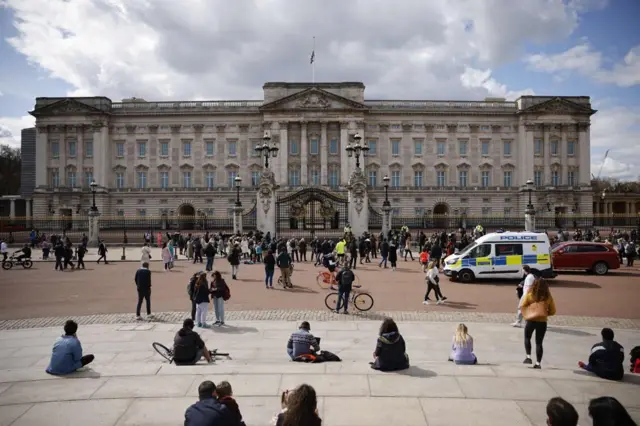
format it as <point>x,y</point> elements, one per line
<point>559,106</point>
<point>314,99</point>
<point>67,106</point>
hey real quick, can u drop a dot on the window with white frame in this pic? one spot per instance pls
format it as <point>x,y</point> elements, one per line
<point>419,211</point>
<point>120,150</point>
<point>463,178</point>
<point>210,148</point>
<point>164,179</point>
<point>571,178</point>
<point>571,147</point>
<point>538,178</point>
<point>555,178</point>
<point>506,148</point>
<point>293,147</point>
<point>73,148</point>
<point>441,178</point>
<point>554,147</point>
<point>417,147</point>
<point>142,179</point>
<point>485,148</point>
<point>315,176</point>
<point>55,149</point>
<point>120,213</point>
<point>142,149</point>
<point>231,178</point>
<point>395,147</point>
<point>186,179</point>
<point>211,179</point>
<point>395,178</point>
<point>373,178</point>
<point>88,148</point>
<point>485,178</point>
<point>55,178</point>
<point>186,149</point>
<point>334,179</point>
<point>88,177</point>
<point>442,148</point>
<point>507,211</point>
<point>233,148</point>
<point>373,147</point>
<point>507,176</point>
<point>417,178</point>
<point>333,146</point>
<point>142,212</point>
<point>71,178</point>
<point>119,180</point>
<point>462,147</point>
<point>537,147</point>
<point>255,178</point>
<point>294,176</point>
<point>313,146</point>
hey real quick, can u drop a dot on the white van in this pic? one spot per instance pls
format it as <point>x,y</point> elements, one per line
<point>501,255</point>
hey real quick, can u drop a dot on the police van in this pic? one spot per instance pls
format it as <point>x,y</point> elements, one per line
<point>501,255</point>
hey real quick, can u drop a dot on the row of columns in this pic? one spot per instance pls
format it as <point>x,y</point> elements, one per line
<point>12,206</point>
<point>606,207</point>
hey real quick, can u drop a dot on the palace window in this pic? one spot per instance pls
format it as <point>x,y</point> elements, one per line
<point>417,148</point>
<point>71,178</point>
<point>555,178</point>
<point>373,147</point>
<point>537,146</point>
<point>142,149</point>
<point>315,176</point>
<point>485,178</point>
<point>73,149</point>
<point>507,178</point>
<point>88,149</point>
<point>293,147</point>
<point>313,146</point>
<point>571,178</point>
<point>571,148</point>
<point>186,149</point>
<point>395,147</point>
<point>333,177</point>
<point>164,179</point>
<point>211,149</point>
<point>142,180</point>
<point>119,180</point>
<point>255,178</point>
<point>442,147</point>
<point>538,178</point>
<point>142,212</point>
<point>88,177</point>
<point>554,147</point>
<point>294,177</point>
<point>506,148</point>
<point>120,150</point>
<point>231,178</point>
<point>395,178</point>
<point>441,178</point>
<point>462,148</point>
<point>463,178</point>
<point>186,179</point>
<point>485,148</point>
<point>55,178</point>
<point>55,150</point>
<point>417,178</point>
<point>211,179</point>
<point>233,147</point>
<point>373,178</point>
<point>333,146</point>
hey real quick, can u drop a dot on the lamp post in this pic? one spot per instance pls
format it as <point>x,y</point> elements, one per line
<point>530,212</point>
<point>386,209</point>
<point>357,148</point>
<point>237,210</point>
<point>266,150</point>
<point>237,181</point>
<point>93,186</point>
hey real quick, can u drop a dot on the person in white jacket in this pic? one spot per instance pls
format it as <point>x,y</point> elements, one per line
<point>524,287</point>
<point>146,253</point>
<point>433,283</point>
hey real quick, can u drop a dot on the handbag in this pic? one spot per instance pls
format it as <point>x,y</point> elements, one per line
<point>535,311</point>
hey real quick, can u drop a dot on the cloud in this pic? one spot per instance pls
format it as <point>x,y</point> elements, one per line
<point>586,61</point>
<point>11,127</point>
<point>227,49</point>
<point>475,78</point>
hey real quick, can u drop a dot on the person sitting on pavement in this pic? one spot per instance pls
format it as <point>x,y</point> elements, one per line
<point>225,397</point>
<point>66,356</point>
<point>188,346</point>
<point>561,413</point>
<point>390,350</point>
<point>462,347</point>
<point>208,411</point>
<point>302,342</point>
<point>607,358</point>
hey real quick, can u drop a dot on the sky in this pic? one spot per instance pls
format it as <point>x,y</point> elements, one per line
<point>408,49</point>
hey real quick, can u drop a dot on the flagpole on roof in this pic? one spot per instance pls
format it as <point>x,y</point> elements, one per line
<point>313,61</point>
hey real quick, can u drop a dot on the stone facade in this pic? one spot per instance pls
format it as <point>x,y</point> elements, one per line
<point>442,157</point>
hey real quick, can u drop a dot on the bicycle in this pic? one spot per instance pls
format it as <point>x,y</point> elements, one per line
<point>327,280</point>
<point>26,263</point>
<point>167,353</point>
<point>362,301</point>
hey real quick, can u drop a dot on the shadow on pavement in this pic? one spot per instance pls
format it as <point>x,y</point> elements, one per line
<point>296,289</point>
<point>569,331</point>
<point>459,305</point>
<point>415,371</point>
<point>230,329</point>
<point>572,284</point>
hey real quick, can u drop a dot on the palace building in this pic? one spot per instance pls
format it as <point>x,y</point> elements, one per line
<point>181,158</point>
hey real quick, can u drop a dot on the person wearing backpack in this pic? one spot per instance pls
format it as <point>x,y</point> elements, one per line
<point>345,279</point>
<point>221,293</point>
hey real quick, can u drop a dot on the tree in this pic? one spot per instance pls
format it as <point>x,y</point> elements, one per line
<point>613,185</point>
<point>10,168</point>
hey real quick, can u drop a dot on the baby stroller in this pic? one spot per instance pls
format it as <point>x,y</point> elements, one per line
<point>281,281</point>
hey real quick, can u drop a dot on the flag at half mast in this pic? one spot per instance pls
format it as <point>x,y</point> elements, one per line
<point>312,58</point>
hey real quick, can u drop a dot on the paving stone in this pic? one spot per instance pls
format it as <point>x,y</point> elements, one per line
<point>243,384</point>
<point>329,384</point>
<point>75,413</point>
<point>25,374</point>
<point>50,390</point>
<point>581,391</point>
<point>149,387</point>
<point>9,413</point>
<point>531,389</point>
<point>232,368</point>
<point>415,383</point>
<point>156,412</point>
<point>359,411</point>
<point>479,412</point>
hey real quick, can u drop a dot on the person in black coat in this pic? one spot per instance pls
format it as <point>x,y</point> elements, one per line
<point>208,411</point>
<point>607,358</point>
<point>234,260</point>
<point>384,253</point>
<point>390,350</point>
<point>102,252</point>
<point>81,251</point>
<point>143,286</point>
<point>436,253</point>
<point>393,254</point>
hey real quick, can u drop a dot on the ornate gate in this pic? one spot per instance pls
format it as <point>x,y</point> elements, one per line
<point>311,212</point>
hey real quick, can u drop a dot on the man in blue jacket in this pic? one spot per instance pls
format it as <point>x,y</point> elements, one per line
<point>607,358</point>
<point>208,411</point>
<point>66,356</point>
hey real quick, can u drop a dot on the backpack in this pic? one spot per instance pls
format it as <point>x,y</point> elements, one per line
<point>347,277</point>
<point>227,293</point>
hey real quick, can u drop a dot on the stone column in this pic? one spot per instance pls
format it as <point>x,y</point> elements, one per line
<point>42,154</point>
<point>304,153</point>
<point>324,150</point>
<point>101,159</point>
<point>12,208</point>
<point>344,159</point>
<point>526,151</point>
<point>283,153</point>
<point>584,152</point>
<point>94,228</point>
<point>266,203</point>
<point>62,147</point>
<point>358,203</point>
<point>28,212</point>
<point>530,219</point>
<point>546,152</point>
<point>386,220</point>
<point>237,219</point>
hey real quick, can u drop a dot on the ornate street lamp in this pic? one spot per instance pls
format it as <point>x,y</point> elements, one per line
<point>357,148</point>
<point>530,186</point>
<point>93,186</point>
<point>237,180</point>
<point>386,203</point>
<point>266,150</point>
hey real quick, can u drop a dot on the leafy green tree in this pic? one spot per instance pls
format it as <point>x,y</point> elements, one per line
<point>10,166</point>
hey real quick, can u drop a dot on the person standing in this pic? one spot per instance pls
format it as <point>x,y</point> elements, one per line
<point>146,252</point>
<point>201,297</point>
<point>234,259</point>
<point>102,252</point>
<point>345,279</point>
<point>166,257</point>
<point>58,251</point>
<point>302,248</point>
<point>269,269</point>
<point>433,283</point>
<point>143,286</point>
<point>284,263</point>
<point>393,254</point>
<point>353,253</point>
<point>220,293</point>
<point>523,288</point>
<point>81,251</point>
<point>384,253</point>
<point>536,305</point>
<point>209,252</point>
<point>407,247</point>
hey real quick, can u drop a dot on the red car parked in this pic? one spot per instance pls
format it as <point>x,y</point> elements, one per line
<point>598,258</point>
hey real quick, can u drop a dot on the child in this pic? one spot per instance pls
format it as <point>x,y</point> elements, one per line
<point>424,259</point>
<point>225,397</point>
<point>462,347</point>
<point>283,407</point>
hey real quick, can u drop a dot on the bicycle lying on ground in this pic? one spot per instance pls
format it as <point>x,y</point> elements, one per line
<point>167,353</point>
<point>26,263</point>
<point>362,301</point>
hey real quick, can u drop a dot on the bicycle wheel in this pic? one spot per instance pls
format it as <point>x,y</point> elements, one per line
<point>323,279</point>
<point>27,264</point>
<point>363,302</point>
<point>331,301</point>
<point>164,352</point>
<point>7,264</point>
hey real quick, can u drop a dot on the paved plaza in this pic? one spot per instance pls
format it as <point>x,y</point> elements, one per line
<point>129,384</point>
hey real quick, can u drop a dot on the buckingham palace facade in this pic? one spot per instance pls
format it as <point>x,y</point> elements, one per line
<point>441,157</point>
